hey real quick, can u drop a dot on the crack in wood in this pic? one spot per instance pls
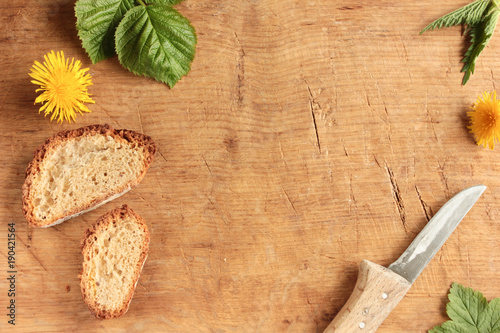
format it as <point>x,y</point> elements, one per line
<point>444,180</point>
<point>31,252</point>
<point>29,234</point>
<point>396,194</point>
<point>143,286</point>
<point>426,208</point>
<point>345,149</point>
<point>140,196</point>
<point>350,7</point>
<point>282,154</point>
<point>240,69</point>
<point>218,209</point>
<point>107,114</point>
<point>140,119</point>
<point>208,167</point>
<point>312,103</point>
<point>376,160</point>
<point>431,121</point>
<point>56,228</point>
<point>352,198</point>
<point>290,201</point>
<point>159,152</point>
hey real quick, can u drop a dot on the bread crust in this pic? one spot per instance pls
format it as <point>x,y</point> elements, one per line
<point>52,142</point>
<point>86,244</point>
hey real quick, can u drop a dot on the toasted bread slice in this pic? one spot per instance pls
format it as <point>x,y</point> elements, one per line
<point>78,170</point>
<point>114,251</point>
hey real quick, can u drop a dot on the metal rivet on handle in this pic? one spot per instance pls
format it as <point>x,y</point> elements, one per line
<point>384,296</point>
<point>362,325</point>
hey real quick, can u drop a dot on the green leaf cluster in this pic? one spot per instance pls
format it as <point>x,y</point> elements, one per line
<point>480,19</point>
<point>150,37</point>
<point>470,312</point>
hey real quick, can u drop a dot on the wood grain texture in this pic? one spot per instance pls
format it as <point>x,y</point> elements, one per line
<point>308,136</point>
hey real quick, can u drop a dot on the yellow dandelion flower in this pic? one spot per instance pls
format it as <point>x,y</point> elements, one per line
<point>485,120</point>
<point>64,86</point>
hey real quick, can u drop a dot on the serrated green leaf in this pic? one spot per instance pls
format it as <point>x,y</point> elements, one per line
<point>480,34</point>
<point>491,322</point>
<point>163,2</point>
<point>437,329</point>
<point>480,18</point>
<point>465,306</point>
<point>451,327</point>
<point>156,41</point>
<point>470,312</point>
<point>469,14</point>
<point>96,24</point>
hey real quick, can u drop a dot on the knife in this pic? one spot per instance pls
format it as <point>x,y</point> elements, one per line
<point>379,289</point>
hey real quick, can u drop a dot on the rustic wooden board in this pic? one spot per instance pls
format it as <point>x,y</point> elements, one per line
<point>309,135</point>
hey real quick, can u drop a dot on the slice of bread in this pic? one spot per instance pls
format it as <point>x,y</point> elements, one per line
<point>114,251</point>
<point>78,170</point>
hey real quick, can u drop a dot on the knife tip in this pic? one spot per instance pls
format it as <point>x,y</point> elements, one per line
<point>478,189</point>
<point>480,186</point>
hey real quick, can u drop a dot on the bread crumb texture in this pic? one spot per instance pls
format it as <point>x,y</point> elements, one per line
<point>114,252</point>
<point>77,170</point>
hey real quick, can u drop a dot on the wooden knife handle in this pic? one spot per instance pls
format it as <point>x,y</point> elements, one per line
<point>378,290</point>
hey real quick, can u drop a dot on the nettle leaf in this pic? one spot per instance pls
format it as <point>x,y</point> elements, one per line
<point>480,34</point>
<point>479,18</point>
<point>470,312</point>
<point>96,24</point>
<point>156,41</point>
<point>469,14</point>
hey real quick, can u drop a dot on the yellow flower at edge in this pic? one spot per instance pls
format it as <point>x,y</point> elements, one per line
<point>63,85</point>
<point>485,120</point>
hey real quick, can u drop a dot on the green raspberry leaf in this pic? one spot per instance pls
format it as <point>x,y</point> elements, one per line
<point>466,306</point>
<point>470,312</point>
<point>492,316</point>
<point>163,2</point>
<point>451,327</point>
<point>156,41</point>
<point>96,24</point>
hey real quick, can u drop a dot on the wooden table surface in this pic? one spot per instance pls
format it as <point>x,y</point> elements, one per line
<point>308,136</point>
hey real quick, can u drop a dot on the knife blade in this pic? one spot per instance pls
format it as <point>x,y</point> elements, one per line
<point>379,289</point>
